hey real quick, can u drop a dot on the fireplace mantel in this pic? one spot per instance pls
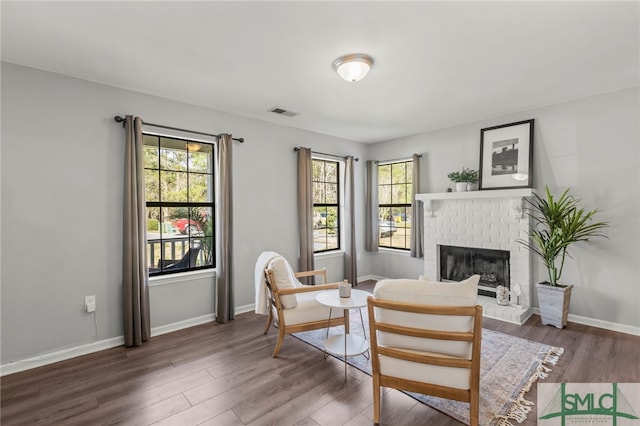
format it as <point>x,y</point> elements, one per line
<point>467,195</point>
<point>516,196</point>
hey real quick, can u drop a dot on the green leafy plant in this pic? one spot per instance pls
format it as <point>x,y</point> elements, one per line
<point>332,221</point>
<point>558,223</point>
<point>152,224</point>
<point>205,225</point>
<point>465,175</point>
<point>201,215</point>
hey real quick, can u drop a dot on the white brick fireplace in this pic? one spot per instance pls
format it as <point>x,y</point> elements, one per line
<point>482,219</point>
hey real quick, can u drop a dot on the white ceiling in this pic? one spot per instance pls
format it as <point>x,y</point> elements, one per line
<point>437,63</point>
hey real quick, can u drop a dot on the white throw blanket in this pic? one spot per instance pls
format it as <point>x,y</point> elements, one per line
<point>262,303</point>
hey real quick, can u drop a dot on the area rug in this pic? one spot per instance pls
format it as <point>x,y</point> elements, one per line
<point>509,367</point>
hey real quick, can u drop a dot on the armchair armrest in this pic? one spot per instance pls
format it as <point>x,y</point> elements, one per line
<point>308,288</point>
<point>322,272</point>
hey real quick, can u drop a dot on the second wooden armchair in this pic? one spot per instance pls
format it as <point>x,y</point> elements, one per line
<point>292,305</point>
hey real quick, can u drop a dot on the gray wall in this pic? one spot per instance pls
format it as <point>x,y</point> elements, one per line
<point>62,157</point>
<point>590,145</point>
<point>62,162</point>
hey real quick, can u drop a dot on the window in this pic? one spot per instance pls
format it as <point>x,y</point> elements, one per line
<point>326,205</point>
<point>394,204</point>
<point>179,193</point>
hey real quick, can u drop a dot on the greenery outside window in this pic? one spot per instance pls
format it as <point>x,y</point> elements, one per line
<point>326,205</point>
<point>179,193</point>
<point>394,204</point>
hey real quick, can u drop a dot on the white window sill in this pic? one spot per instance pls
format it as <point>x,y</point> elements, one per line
<point>181,277</point>
<point>395,252</point>
<point>329,254</point>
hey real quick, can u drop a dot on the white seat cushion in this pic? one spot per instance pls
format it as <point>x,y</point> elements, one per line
<point>308,309</point>
<point>284,278</point>
<point>426,292</point>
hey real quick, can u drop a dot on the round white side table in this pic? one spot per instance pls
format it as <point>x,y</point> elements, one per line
<point>346,344</point>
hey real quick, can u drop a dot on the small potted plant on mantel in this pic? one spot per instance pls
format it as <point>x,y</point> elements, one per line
<point>557,223</point>
<point>465,180</point>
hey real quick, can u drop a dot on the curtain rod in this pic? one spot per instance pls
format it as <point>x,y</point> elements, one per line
<point>119,119</point>
<point>393,160</point>
<point>297,148</point>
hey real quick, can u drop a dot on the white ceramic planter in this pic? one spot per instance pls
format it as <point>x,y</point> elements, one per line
<point>554,304</point>
<point>461,186</point>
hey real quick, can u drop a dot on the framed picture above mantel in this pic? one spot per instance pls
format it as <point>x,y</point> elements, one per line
<point>506,156</point>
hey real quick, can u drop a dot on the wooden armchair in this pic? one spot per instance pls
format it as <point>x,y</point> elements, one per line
<point>292,305</point>
<point>425,338</point>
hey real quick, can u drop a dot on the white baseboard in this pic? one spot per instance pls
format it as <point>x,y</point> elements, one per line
<point>370,277</point>
<point>68,353</point>
<point>59,355</point>
<point>246,308</point>
<point>607,325</point>
<point>164,329</point>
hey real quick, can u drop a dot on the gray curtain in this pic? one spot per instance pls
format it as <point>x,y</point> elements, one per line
<point>305,213</point>
<point>135,279</point>
<point>224,255</point>
<point>417,212</point>
<point>350,254</point>
<point>371,218</point>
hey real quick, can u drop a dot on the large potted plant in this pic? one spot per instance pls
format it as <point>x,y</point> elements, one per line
<point>557,224</point>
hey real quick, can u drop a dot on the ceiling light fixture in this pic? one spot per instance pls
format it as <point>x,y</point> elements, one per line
<point>353,67</point>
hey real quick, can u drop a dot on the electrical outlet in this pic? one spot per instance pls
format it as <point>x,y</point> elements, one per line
<point>90,303</point>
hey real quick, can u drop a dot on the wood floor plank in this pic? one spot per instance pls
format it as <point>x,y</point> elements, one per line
<point>130,402</point>
<point>359,420</point>
<point>307,421</point>
<point>357,398</point>
<point>228,418</point>
<point>284,390</point>
<point>302,405</point>
<point>202,412</point>
<point>58,414</point>
<point>60,389</point>
<point>393,405</point>
<point>217,386</point>
<point>421,414</point>
<point>149,414</point>
<point>262,385</point>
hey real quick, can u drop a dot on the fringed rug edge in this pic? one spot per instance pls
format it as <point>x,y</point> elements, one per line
<point>521,407</point>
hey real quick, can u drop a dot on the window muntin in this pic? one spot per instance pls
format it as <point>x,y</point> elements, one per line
<point>179,193</point>
<point>326,205</point>
<point>394,204</point>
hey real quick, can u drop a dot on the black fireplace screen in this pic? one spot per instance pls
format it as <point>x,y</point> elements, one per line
<point>459,263</point>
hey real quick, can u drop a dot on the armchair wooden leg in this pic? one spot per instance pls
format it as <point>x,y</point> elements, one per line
<point>269,320</point>
<point>474,409</point>
<point>279,342</point>
<point>376,399</point>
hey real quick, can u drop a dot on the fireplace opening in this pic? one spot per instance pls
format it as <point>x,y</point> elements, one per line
<point>459,263</point>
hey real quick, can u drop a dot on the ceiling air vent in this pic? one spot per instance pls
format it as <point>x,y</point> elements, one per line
<point>281,111</point>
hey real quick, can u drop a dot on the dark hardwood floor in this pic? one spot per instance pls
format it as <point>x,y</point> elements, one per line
<point>217,374</point>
